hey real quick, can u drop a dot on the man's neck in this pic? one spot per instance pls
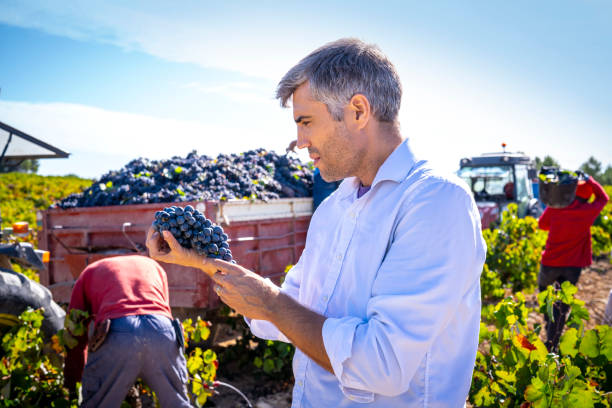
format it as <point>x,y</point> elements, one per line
<point>379,149</point>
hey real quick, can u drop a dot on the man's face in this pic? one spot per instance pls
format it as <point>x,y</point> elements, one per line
<point>329,143</point>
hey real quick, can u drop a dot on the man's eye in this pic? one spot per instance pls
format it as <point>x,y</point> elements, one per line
<point>305,123</point>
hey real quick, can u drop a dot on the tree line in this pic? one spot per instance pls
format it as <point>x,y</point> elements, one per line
<point>592,167</point>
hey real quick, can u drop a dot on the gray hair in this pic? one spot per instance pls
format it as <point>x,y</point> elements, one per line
<point>341,69</point>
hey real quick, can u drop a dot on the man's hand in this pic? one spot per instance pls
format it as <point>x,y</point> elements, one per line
<point>165,248</point>
<point>245,291</point>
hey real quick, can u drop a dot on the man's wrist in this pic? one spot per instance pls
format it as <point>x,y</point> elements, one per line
<point>276,301</point>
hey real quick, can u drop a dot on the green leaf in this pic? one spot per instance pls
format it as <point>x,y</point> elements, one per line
<point>268,366</point>
<point>68,340</point>
<point>589,346</point>
<point>209,356</point>
<point>605,340</point>
<point>258,362</point>
<point>201,400</point>
<point>534,391</point>
<point>178,169</point>
<point>483,397</point>
<point>505,375</point>
<point>567,345</point>
<point>568,290</point>
<point>581,396</point>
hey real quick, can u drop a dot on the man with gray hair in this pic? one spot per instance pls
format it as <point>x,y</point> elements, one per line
<point>383,305</point>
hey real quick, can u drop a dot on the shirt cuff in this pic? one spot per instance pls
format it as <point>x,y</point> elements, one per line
<point>338,335</point>
<point>266,330</point>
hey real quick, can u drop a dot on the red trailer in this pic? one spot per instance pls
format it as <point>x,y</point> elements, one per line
<point>264,237</point>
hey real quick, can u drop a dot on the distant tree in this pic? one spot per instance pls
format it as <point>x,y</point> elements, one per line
<point>26,166</point>
<point>29,166</point>
<point>548,161</point>
<point>592,167</point>
<point>606,177</point>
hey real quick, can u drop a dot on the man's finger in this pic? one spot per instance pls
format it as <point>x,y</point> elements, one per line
<point>172,242</point>
<point>219,277</point>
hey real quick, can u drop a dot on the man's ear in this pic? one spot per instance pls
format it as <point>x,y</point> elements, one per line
<point>358,111</point>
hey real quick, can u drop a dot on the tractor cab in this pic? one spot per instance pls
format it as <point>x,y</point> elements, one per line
<point>497,179</point>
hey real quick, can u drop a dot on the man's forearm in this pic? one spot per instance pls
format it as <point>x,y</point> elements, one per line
<point>303,327</point>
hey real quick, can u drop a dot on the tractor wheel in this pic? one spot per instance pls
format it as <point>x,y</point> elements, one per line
<point>17,293</point>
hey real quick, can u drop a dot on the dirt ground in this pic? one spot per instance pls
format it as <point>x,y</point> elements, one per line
<point>593,287</point>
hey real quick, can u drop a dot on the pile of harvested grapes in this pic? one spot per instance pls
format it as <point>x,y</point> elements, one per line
<point>255,174</point>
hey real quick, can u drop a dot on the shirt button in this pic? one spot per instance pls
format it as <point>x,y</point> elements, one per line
<point>301,383</point>
<point>325,298</point>
<point>339,257</point>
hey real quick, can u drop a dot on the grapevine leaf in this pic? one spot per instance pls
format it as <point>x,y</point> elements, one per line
<point>534,391</point>
<point>268,366</point>
<point>68,340</point>
<point>209,356</point>
<point>258,362</point>
<point>201,400</point>
<point>506,376</point>
<point>605,338</point>
<point>567,345</point>
<point>483,397</point>
<point>581,396</point>
<point>524,342</point>
<point>589,346</point>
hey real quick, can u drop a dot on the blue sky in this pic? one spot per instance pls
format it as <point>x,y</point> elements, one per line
<point>110,81</point>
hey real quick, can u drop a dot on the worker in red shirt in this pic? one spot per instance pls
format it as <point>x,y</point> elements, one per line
<point>135,336</point>
<point>568,247</point>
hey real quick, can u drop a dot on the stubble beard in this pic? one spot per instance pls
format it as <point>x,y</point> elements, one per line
<point>342,158</point>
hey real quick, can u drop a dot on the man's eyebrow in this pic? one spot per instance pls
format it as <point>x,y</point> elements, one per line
<point>301,118</point>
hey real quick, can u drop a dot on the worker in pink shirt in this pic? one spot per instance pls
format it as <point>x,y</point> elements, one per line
<point>135,337</point>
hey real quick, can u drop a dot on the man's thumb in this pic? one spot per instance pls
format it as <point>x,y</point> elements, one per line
<point>172,242</point>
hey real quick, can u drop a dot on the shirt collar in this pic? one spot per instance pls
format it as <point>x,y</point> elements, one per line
<point>397,166</point>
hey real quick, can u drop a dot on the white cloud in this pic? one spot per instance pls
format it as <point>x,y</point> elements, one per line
<point>246,92</point>
<point>96,136</point>
<point>191,31</point>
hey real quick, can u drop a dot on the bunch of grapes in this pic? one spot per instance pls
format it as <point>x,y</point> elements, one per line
<point>252,175</point>
<point>557,176</point>
<point>194,231</point>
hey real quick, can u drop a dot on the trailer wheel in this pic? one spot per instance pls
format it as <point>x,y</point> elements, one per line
<point>17,293</point>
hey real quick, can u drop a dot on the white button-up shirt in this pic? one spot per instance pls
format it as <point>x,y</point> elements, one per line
<point>396,273</point>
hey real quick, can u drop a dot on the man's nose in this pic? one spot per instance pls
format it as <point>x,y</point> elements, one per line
<point>302,140</point>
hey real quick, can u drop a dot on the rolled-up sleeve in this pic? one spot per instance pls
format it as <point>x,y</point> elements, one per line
<point>435,256</point>
<point>267,330</point>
